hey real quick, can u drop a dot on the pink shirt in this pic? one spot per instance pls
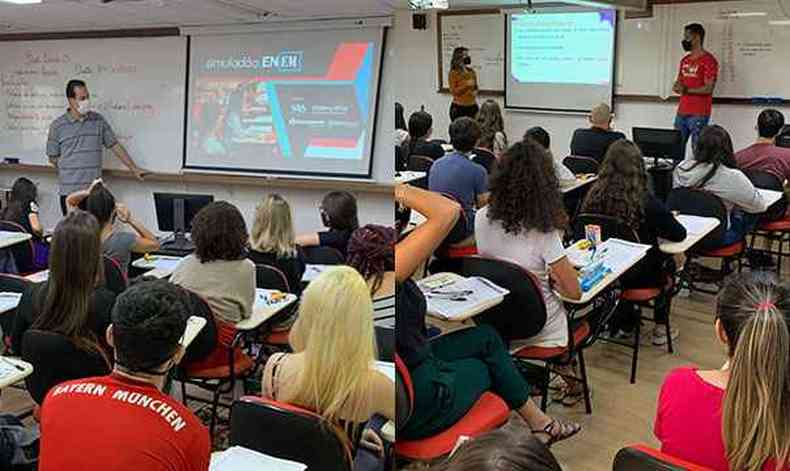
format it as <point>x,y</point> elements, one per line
<point>766,157</point>
<point>688,420</point>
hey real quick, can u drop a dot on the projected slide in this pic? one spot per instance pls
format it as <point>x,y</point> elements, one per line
<point>560,60</point>
<point>291,102</point>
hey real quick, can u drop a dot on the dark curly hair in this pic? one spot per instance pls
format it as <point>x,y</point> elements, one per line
<point>622,185</point>
<point>371,251</point>
<point>525,191</point>
<point>219,233</point>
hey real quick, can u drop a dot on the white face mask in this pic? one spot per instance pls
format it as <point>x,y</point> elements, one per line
<point>84,106</point>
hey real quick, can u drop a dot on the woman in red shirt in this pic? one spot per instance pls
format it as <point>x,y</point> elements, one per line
<point>737,417</point>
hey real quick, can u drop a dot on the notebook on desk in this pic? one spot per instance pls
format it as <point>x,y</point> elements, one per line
<point>462,297</point>
<point>238,458</point>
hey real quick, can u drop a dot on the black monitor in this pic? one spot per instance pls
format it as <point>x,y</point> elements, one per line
<point>660,143</point>
<point>175,212</point>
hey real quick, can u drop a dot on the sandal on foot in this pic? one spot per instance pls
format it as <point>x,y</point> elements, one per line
<point>566,430</point>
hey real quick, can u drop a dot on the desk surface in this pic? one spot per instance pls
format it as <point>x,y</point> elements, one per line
<point>160,266</point>
<point>621,266</point>
<point>7,239</point>
<point>408,176</point>
<point>447,280</point>
<point>13,370</point>
<point>9,301</point>
<point>582,180</point>
<point>194,325</point>
<point>312,271</point>
<point>771,196</point>
<point>264,308</point>
<point>697,227</point>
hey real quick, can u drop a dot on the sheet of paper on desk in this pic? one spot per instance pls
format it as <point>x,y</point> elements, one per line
<point>238,458</point>
<point>162,263</point>
<point>38,277</point>
<point>477,292</point>
<point>620,254</point>
<point>9,301</point>
<point>312,271</point>
<point>694,224</point>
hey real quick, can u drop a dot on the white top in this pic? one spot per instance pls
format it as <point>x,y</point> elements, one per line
<point>533,251</point>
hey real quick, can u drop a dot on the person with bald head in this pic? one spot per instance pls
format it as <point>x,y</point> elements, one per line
<point>595,140</point>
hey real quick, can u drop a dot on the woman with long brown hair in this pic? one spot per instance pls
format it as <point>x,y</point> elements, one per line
<point>621,191</point>
<point>492,128</point>
<point>71,302</point>
<point>737,417</point>
<point>463,85</point>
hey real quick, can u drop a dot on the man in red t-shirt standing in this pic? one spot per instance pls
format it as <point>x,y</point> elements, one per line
<point>123,422</point>
<point>695,84</point>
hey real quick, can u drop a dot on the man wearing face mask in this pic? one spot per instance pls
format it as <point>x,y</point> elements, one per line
<point>123,421</point>
<point>696,81</point>
<point>463,85</point>
<point>75,142</point>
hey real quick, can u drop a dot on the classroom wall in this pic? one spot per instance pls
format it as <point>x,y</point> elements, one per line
<point>373,207</point>
<point>417,82</point>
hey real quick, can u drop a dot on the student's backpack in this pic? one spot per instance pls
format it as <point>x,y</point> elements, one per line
<point>18,445</point>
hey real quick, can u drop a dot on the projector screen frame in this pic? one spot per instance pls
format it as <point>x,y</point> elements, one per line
<point>295,174</point>
<point>563,111</point>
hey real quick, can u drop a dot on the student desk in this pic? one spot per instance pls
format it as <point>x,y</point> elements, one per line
<point>158,266</point>
<point>312,271</point>
<point>771,196</point>
<point>238,458</point>
<point>617,264</point>
<point>7,239</point>
<point>194,325</point>
<point>452,278</point>
<point>581,180</point>
<point>13,370</point>
<point>408,176</point>
<point>38,277</point>
<point>9,301</point>
<point>697,228</point>
<point>447,148</point>
<point>264,308</point>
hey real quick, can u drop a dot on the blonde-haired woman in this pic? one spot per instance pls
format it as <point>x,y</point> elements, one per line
<point>332,370</point>
<point>492,128</point>
<point>463,85</point>
<point>738,417</point>
<point>272,241</point>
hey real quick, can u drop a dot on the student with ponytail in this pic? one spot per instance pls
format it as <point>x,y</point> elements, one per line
<point>738,417</point>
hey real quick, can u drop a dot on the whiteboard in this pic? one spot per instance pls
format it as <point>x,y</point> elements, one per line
<point>484,35</point>
<point>137,84</point>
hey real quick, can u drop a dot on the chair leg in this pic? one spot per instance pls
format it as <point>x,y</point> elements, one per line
<point>585,384</point>
<point>184,393</point>
<point>214,410</point>
<point>635,357</point>
<point>544,401</point>
<point>668,307</point>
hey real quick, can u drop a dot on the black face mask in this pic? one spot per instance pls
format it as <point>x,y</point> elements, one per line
<point>686,45</point>
<point>467,60</point>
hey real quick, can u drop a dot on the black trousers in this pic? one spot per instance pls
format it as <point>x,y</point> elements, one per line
<point>457,111</point>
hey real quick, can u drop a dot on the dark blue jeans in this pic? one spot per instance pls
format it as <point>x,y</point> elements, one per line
<point>690,126</point>
<point>741,223</point>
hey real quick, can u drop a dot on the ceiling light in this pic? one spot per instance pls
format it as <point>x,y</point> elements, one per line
<point>745,14</point>
<point>21,2</point>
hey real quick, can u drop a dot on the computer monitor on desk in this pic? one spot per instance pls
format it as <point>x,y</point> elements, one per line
<point>175,212</point>
<point>660,143</point>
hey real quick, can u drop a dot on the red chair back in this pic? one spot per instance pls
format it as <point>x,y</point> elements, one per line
<point>645,458</point>
<point>404,393</point>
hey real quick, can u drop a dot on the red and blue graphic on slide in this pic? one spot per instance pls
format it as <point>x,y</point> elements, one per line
<point>289,112</point>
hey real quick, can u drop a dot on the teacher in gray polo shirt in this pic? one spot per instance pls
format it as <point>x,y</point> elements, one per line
<point>75,144</point>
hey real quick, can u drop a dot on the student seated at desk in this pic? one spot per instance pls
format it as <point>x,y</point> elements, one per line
<point>420,131</point>
<point>541,136</point>
<point>459,177</point>
<point>524,223</point>
<point>492,128</point>
<point>371,252</point>
<point>339,215</point>
<point>219,270</point>
<point>458,367</point>
<point>714,170</point>
<point>72,301</point>
<point>116,244</point>
<point>272,241</point>
<point>738,417</point>
<point>595,141</point>
<point>22,207</point>
<point>332,370</point>
<point>621,191</point>
<point>123,421</point>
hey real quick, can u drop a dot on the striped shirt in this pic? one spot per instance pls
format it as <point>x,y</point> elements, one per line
<point>76,144</point>
<point>384,307</point>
